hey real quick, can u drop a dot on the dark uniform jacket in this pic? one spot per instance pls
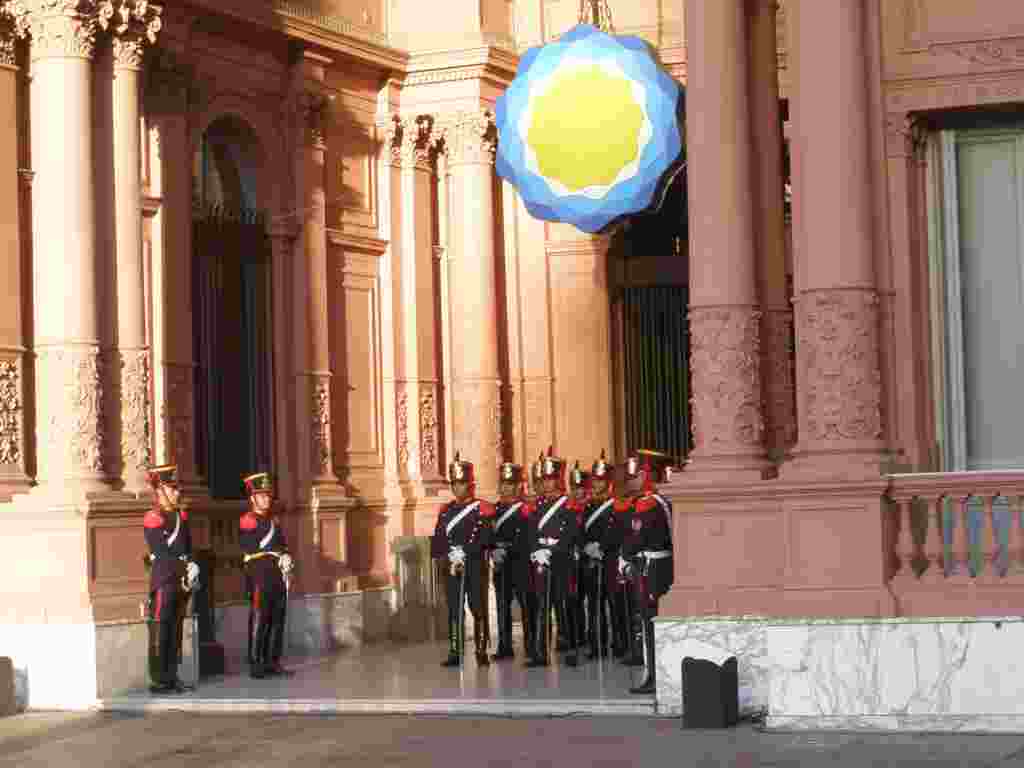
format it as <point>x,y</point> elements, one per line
<point>647,529</point>
<point>472,532</point>
<point>169,539</point>
<point>262,533</point>
<point>510,527</point>
<point>560,526</point>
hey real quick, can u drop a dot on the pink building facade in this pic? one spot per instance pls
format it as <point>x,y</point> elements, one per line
<point>269,235</point>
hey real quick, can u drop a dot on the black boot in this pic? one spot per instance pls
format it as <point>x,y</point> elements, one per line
<point>569,611</point>
<point>648,685</point>
<point>634,650</point>
<point>480,643</point>
<point>453,645</point>
<point>539,658</point>
<point>529,630</point>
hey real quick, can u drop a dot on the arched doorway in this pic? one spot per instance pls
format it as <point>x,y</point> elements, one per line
<point>231,308</point>
<point>648,259</point>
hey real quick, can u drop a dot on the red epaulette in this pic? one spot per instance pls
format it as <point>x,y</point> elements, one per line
<point>646,504</point>
<point>527,509</point>
<point>248,522</point>
<point>622,505</point>
<point>153,519</point>
<point>487,509</point>
<point>183,514</point>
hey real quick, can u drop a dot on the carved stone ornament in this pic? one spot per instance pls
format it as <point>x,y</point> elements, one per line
<point>10,413</point>
<point>59,28</point>
<point>477,422</point>
<point>313,112</point>
<point>428,430</point>
<point>402,419</point>
<point>135,427</point>
<point>177,414</point>
<point>8,37</point>
<point>134,23</point>
<point>70,427</point>
<point>469,137</point>
<point>989,53</point>
<point>725,361</point>
<point>777,369</point>
<point>321,433</point>
<point>838,358</point>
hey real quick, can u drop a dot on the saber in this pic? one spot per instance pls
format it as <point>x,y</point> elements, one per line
<point>501,605</point>
<point>599,617</point>
<point>287,614</point>
<point>195,645</point>
<point>461,639</point>
<point>547,614</point>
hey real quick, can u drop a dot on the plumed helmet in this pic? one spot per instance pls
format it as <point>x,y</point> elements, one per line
<point>602,468</point>
<point>165,474</point>
<point>552,466</point>
<point>579,478</point>
<point>260,482</point>
<point>460,471</point>
<point>510,473</point>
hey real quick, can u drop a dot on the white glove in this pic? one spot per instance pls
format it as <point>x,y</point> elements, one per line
<point>593,550</point>
<point>192,575</point>
<point>285,563</point>
<point>457,555</point>
<point>624,567</point>
<point>499,556</point>
<point>541,556</point>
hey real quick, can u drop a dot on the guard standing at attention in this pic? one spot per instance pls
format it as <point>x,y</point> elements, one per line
<point>551,534</point>
<point>268,568</point>
<point>461,537</point>
<point>600,556</point>
<point>510,516</point>
<point>173,575</point>
<point>646,556</point>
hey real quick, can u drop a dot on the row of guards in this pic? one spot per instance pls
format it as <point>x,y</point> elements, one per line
<point>583,555</point>
<point>174,578</point>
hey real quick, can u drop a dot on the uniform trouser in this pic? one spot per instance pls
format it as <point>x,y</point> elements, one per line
<point>269,605</point>
<point>508,587</point>
<point>644,610</point>
<point>550,589</point>
<point>168,607</point>
<point>597,603</point>
<point>474,597</point>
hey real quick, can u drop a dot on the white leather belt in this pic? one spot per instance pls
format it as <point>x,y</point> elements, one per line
<point>659,554</point>
<point>547,542</point>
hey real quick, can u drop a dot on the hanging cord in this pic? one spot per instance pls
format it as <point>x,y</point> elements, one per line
<point>598,13</point>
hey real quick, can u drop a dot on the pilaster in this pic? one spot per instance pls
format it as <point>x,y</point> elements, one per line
<point>469,141</point>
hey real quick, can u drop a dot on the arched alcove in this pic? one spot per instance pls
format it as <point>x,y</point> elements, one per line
<point>231,306</point>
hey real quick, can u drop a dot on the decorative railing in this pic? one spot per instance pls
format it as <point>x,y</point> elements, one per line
<point>957,526</point>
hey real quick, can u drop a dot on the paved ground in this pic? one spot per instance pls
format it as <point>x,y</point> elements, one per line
<point>253,741</point>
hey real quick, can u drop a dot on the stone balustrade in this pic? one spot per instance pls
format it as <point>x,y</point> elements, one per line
<point>957,527</point>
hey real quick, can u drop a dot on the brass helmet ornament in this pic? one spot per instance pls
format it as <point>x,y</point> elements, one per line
<point>509,472</point>
<point>602,469</point>
<point>460,471</point>
<point>260,482</point>
<point>579,478</point>
<point>164,474</point>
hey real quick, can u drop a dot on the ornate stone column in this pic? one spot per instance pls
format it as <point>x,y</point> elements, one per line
<point>838,377</point>
<point>470,141</point>
<point>769,226</point>
<point>728,422</point>
<point>13,188</point>
<point>135,23</point>
<point>310,284</point>
<point>69,381</point>
<point>417,368</point>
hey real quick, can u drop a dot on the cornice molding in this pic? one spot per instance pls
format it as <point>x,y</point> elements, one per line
<point>494,65</point>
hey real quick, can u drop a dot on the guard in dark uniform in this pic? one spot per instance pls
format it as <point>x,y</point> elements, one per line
<point>599,582</point>
<point>268,568</point>
<point>579,496</point>
<point>646,556</point>
<point>461,538</point>
<point>532,615</point>
<point>631,647</point>
<point>551,533</point>
<point>173,575</point>
<point>510,516</point>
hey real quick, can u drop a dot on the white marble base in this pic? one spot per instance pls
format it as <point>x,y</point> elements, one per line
<point>919,674</point>
<point>745,639</point>
<point>54,664</point>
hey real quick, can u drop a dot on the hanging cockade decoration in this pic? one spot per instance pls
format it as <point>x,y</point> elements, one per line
<point>590,129</point>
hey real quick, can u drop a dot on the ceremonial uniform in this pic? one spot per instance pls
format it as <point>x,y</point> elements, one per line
<point>510,516</point>
<point>173,576</point>
<point>268,567</point>
<point>579,490</point>
<point>646,556</point>
<point>551,533</point>
<point>600,555</point>
<point>461,536</point>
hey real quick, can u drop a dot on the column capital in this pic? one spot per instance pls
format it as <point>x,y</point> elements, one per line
<point>58,28</point>
<point>411,141</point>
<point>8,37</point>
<point>469,136</point>
<point>134,23</point>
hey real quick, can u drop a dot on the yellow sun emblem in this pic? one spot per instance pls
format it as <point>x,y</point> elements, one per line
<point>586,127</point>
